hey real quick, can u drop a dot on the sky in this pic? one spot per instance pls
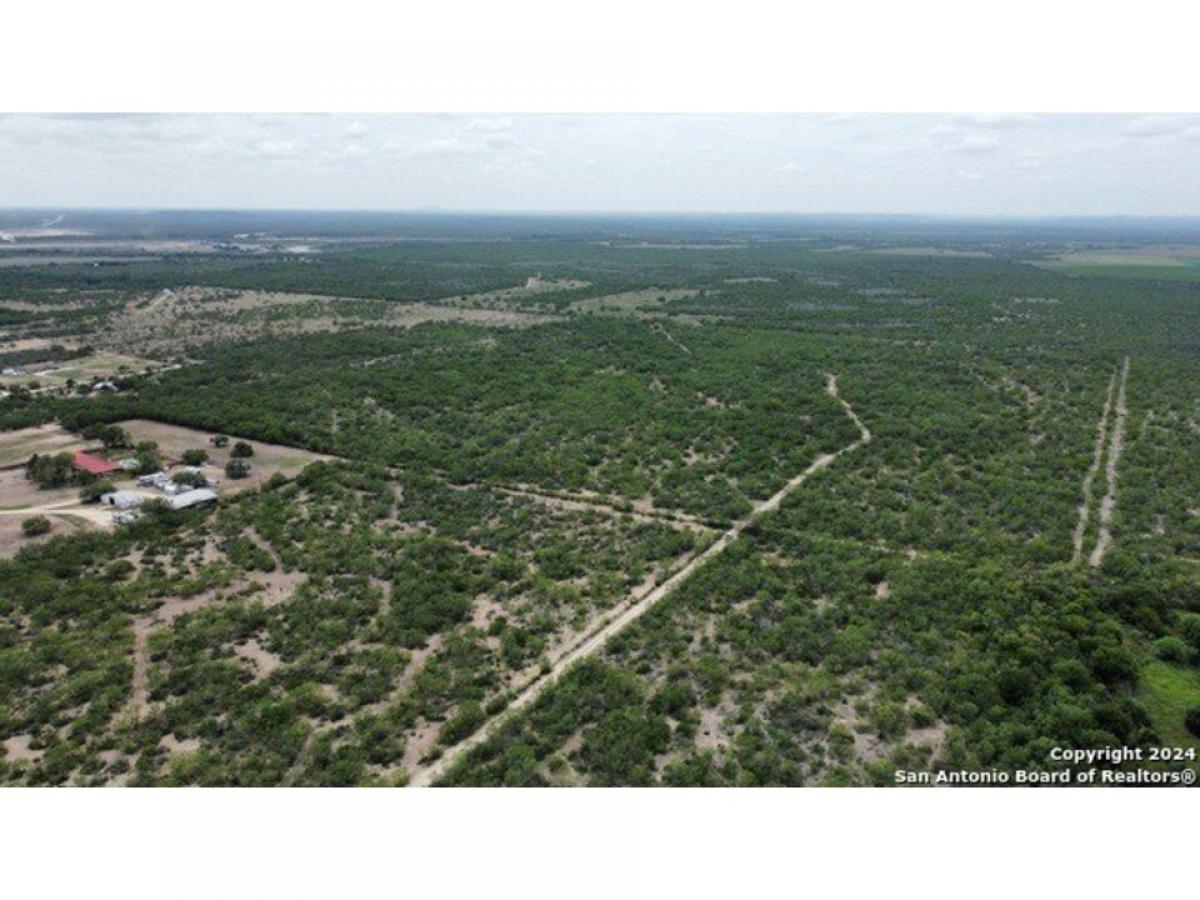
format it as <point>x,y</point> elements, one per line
<point>988,164</point>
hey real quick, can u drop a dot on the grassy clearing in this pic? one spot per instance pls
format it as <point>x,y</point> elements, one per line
<point>1141,272</point>
<point>1166,266</point>
<point>17,446</point>
<point>1168,692</point>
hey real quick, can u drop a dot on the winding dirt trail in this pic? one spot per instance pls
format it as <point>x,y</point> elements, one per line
<point>93,514</point>
<point>1085,508</point>
<point>662,329</point>
<point>1115,445</point>
<point>586,504</point>
<point>595,640</point>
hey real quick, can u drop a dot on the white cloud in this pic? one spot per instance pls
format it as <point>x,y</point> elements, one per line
<point>502,124</point>
<point>350,151</point>
<point>976,143</point>
<point>275,149</point>
<point>435,148</point>
<point>880,163</point>
<point>996,120</point>
<point>1155,126</point>
<point>500,141</point>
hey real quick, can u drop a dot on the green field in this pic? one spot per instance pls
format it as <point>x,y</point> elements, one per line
<point>1134,265</point>
<point>1168,692</point>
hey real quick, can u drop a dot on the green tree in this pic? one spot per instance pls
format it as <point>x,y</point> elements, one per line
<point>35,525</point>
<point>237,468</point>
<point>192,479</point>
<point>196,456</point>
<point>91,493</point>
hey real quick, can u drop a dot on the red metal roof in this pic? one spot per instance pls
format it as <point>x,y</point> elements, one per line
<point>94,465</point>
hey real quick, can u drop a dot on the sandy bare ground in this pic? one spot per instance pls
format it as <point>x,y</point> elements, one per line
<point>174,320</point>
<point>1115,445</point>
<point>502,298</point>
<point>71,509</point>
<point>1097,457</point>
<point>630,301</point>
<point>263,660</point>
<point>13,539</point>
<point>595,640</point>
<point>100,365</point>
<point>17,749</point>
<point>268,459</point>
<point>18,445</point>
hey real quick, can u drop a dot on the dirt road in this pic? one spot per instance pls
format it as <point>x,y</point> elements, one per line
<point>1115,445</point>
<point>594,641</point>
<point>1085,508</point>
<point>93,514</point>
<point>586,504</point>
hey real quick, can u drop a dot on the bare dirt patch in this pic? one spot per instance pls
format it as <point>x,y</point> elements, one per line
<point>17,446</point>
<point>173,321</point>
<point>19,493</point>
<point>711,734</point>
<point>102,364</point>
<point>868,747</point>
<point>172,744</point>
<point>532,287</point>
<point>263,660</point>
<point>632,301</point>
<point>268,459</point>
<point>17,749</point>
<point>12,537</point>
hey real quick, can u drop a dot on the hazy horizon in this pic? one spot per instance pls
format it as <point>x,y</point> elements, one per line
<point>954,166</point>
<point>142,209</point>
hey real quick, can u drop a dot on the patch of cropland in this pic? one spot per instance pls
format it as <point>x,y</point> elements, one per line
<point>682,503</point>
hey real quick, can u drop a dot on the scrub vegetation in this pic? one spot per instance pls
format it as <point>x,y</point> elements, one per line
<point>1009,562</point>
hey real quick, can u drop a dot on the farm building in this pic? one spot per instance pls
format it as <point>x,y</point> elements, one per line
<point>93,465</point>
<point>154,479</point>
<point>123,499</point>
<point>192,498</point>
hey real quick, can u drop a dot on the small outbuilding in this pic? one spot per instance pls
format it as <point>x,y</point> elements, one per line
<point>122,499</point>
<point>192,498</point>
